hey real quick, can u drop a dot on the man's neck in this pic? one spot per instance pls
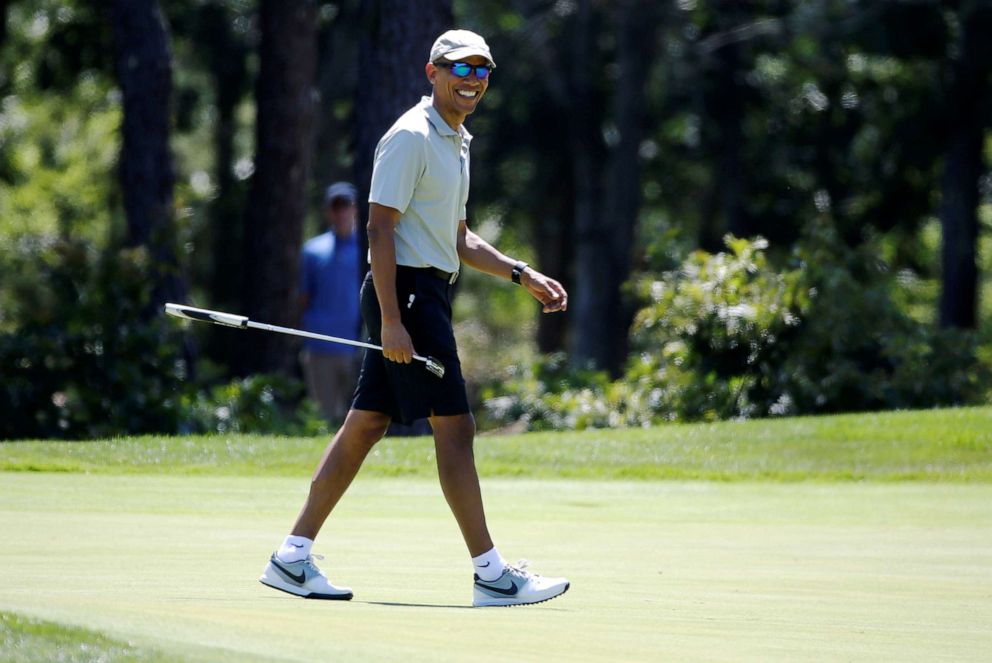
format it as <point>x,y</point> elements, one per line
<point>454,121</point>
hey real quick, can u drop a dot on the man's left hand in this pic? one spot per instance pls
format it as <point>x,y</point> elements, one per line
<point>546,290</point>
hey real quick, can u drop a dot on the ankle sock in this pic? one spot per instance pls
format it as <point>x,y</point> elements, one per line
<point>294,548</point>
<point>489,565</point>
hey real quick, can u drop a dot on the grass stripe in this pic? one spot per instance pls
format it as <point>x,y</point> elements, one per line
<point>952,445</point>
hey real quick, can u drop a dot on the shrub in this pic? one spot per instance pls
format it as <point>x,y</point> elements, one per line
<point>729,336</point>
<point>265,404</point>
<point>84,358</point>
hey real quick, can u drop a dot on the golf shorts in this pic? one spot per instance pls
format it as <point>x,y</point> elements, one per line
<point>408,392</point>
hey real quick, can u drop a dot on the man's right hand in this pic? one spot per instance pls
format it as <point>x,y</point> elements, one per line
<point>396,343</point>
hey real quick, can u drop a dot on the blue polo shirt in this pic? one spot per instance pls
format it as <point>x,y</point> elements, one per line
<point>329,275</point>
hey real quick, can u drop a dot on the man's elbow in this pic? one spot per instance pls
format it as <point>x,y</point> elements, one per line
<point>378,228</point>
<point>382,222</point>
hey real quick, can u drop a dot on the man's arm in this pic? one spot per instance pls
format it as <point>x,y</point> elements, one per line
<point>481,255</point>
<point>396,343</point>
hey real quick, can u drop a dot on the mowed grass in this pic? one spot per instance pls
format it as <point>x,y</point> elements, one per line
<point>936,445</point>
<point>856,538</point>
<point>26,640</point>
<point>687,571</point>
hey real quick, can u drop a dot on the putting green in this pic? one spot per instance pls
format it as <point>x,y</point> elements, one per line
<point>660,571</point>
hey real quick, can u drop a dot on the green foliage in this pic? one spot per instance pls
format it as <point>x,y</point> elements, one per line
<point>714,332</point>
<point>553,395</point>
<point>828,109</point>
<point>729,336</point>
<point>88,358</point>
<point>859,350</point>
<point>58,154</point>
<point>263,404</point>
<point>85,357</point>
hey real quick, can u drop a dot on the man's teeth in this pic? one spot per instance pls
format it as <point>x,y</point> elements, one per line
<point>467,93</point>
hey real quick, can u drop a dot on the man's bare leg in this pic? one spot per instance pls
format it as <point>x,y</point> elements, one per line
<point>338,467</point>
<point>453,437</point>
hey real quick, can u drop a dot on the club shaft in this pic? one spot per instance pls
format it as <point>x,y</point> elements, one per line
<point>319,337</point>
<point>242,322</point>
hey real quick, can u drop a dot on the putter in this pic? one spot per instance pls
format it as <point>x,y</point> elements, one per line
<point>242,322</point>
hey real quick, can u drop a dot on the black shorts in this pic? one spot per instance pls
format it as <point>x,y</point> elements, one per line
<point>408,392</point>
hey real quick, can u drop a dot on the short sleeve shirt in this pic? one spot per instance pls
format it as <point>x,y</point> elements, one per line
<point>421,169</point>
<point>329,276</point>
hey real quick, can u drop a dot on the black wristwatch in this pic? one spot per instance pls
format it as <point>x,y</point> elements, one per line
<point>518,269</point>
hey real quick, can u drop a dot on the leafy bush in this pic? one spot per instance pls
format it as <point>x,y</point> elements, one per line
<point>84,357</point>
<point>267,404</point>
<point>551,395</point>
<point>858,350</point>
<point>729,336</point>
<point>716,332</point>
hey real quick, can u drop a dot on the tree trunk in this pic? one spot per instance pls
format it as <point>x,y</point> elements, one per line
<point>592,237</point>
<point>394,46</point>
<point>337,80</point>
<point>3,21</point>
<point>962,169</point>
<point>226,54</point>
<point>555,256</point>
<point>723,98</point>
<point>144,71</point>
<point>277,199</point>
<point>605,239</point>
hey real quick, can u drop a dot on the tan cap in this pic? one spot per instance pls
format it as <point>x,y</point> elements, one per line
<point>459,44</point>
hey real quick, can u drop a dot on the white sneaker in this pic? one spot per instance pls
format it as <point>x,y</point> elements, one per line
<point>302,578</point>
<point>516,587</point>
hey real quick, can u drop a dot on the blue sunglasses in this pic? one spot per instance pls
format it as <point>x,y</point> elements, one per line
<point>463,69</point>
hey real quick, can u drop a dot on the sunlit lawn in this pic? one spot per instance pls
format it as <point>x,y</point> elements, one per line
<point>148,549</point>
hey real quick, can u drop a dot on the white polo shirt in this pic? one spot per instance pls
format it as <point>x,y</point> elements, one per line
<point>421,169</point>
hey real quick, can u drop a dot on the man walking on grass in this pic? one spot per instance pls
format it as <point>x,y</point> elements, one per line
<point>418,239</point>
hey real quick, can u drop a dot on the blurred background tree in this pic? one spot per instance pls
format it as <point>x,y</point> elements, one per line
<point>277,199</point>
<point>184,147</point>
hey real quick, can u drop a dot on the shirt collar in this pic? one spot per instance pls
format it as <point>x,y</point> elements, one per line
<point>442,127</point>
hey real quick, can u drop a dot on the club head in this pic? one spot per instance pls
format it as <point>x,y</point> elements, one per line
<point>435,367</point>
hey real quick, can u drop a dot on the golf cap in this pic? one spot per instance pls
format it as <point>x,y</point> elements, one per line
<point>459,44</point>
<point>343,190</point>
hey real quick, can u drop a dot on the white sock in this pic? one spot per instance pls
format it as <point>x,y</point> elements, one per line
<point>294,548</point>
<point>489,565</point>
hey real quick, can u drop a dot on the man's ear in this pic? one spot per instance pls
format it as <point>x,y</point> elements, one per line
<point>431,72</point>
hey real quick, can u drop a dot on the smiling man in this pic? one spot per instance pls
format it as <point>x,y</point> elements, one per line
<point>418,240</point>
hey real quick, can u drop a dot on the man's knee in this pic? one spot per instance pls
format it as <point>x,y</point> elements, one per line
<point>457,430</point>
<point>366,427</point>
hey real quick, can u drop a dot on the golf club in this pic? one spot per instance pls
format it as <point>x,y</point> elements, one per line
<point>242,322</point>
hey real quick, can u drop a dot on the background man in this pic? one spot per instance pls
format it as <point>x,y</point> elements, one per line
<point>418,239</point>
<point>329,283</point>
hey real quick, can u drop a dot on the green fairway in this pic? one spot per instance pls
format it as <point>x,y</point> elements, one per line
<point>660,570</point>
<point>856,537</point>
<point>934,445</point>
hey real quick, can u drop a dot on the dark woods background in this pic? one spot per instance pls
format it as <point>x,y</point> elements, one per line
<point>759,207</point>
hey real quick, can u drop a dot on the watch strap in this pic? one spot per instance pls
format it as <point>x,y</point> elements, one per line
<point>518,269</point>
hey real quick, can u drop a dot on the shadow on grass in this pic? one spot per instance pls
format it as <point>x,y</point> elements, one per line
<point>398,604</point>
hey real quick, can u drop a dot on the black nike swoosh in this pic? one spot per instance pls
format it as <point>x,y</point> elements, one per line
<point>482,566</point>
<point>296,545</point>
<point>505,591</point>
<point>302,578</point>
